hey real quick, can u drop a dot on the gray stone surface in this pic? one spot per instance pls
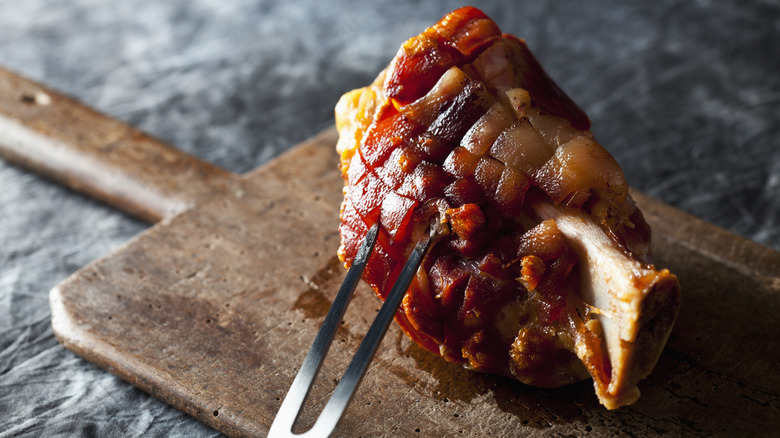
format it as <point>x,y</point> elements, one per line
<point>685,94</point>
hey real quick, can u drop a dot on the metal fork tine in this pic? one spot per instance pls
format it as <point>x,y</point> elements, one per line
<point>342,395</point>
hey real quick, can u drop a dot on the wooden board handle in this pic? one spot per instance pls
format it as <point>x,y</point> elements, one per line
<point>92,153</point>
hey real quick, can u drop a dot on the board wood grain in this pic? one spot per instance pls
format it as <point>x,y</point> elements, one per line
<point>213,308</point>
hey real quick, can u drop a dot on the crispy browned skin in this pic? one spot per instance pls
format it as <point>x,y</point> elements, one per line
<point>545,272</point>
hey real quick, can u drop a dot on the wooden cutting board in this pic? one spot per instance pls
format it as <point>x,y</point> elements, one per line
<point>215,306</point>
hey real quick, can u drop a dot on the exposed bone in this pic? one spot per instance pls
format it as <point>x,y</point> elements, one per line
<point>635,304</point>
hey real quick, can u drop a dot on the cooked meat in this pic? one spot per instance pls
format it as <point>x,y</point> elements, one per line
<point>545,271</point>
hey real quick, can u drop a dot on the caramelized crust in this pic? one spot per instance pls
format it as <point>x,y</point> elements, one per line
<point>545,274</point>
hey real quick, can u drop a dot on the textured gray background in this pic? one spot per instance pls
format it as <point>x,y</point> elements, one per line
<point>685,94</point>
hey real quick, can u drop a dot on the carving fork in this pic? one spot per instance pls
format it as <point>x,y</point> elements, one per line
<point>337,404</point>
